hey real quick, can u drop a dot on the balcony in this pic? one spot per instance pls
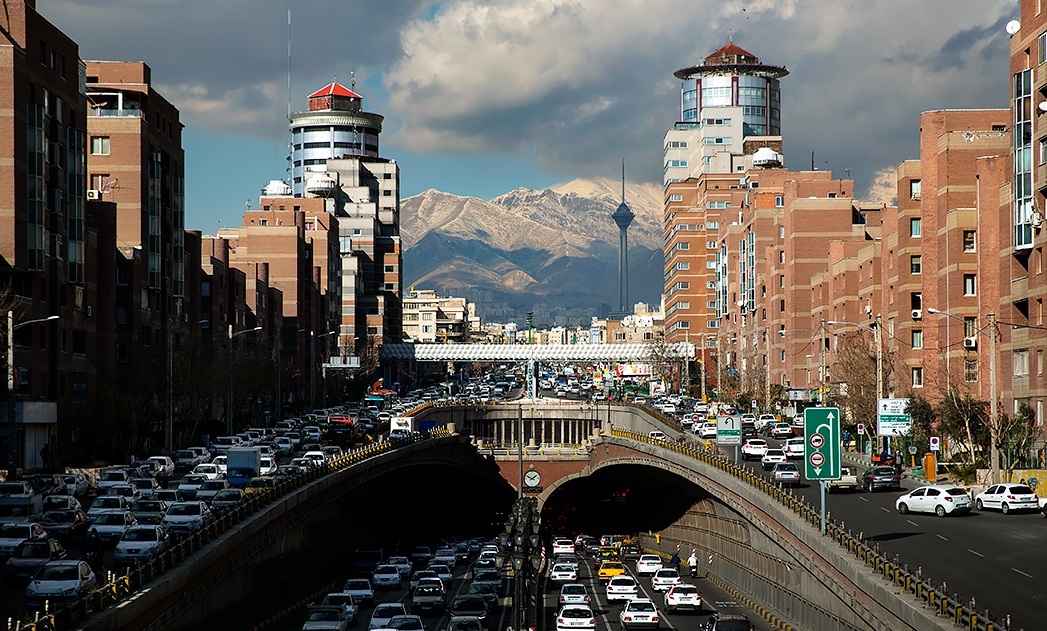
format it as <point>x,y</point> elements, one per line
<point>108,113</point>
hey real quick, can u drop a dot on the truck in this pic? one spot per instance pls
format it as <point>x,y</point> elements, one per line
<point>242,464</point>
<point>848,481</point>
<point>342,430</point>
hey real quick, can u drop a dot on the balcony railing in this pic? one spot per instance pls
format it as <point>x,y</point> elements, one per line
<point>124,113</point>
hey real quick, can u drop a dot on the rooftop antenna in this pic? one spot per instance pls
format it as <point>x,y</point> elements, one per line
<point>623,180</point>
<point>290,144</point>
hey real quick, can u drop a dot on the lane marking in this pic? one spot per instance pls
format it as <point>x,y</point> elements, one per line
<point>912,522</point>
<point>1021,572</point>
<point>863,498</point>
<point>941,537</point>
<point>885,509</point>
<point>976,553</point>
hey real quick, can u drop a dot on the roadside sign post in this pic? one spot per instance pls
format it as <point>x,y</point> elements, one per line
<point>892,419</point>
<point>821,431</point>
<point>729,433</point>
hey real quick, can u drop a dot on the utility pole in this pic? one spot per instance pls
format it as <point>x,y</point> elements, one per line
<point>702,367</point>
<point>767,347</point>
<point>821,363</point>
<point>169,426</point>
<point>994,464</point>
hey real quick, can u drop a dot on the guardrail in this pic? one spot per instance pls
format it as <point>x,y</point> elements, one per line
<point>962,612</point>
<point>120,585</point>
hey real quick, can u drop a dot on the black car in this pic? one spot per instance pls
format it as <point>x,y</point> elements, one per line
<point>30,556</point>
<point>489,577</point>
<point>728,622</point>
<point>69,524</point>
<point>486,591</point>
<point>876,478</point>
<point>629,552</point>
<point>469,605</point>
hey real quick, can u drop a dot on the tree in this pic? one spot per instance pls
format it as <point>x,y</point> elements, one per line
<point>1016,437</point>
<point>964,419</point>
<point>664,359</point>
<point>856,367</point>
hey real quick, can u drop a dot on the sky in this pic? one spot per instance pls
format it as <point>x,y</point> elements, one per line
<point>484,96</point>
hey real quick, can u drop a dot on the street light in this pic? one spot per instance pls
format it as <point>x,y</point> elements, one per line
<point>994,469</point>
<point>11,328</point>
<point>876,329</point>
<point>229,394</point>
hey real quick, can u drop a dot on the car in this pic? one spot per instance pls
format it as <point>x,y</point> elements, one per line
<point>572,617</point>
<point>384,612</point>
<point>683,596</point>
<point>639,613</point>
<point>485,591</point>
<point>442,570</point>
<point>610,569</point>
<point>209,470</point>
<point>573,594</point>
<point>128,491</point>
<point>563,572</point>
<point>754,449</point>
<point>165,467</point>
<point>469,605</point>
<point>325,618</point>
<point>203,455</point>
<point>605,553</point>
<point>190,484</point>
<point>446,556</point>
<point>421,555</point>
<point>186,518</point>
<point>490,577</point>
<point>220,462</point>
<point>664,579</point>
<point>1007,498</point>
<point>209,489</point>
<point>227,499</point>
<point>794,448</point>
<point>361,589</point>
<point>386,576</point>
<point>346,602</point>
<point>772,457</point>
<point>419,575</point>
<point>260,484</point>
<point>110,477</point>
<point>30,556</point>
<point>146,486</point>
<point>68,524</point>
<point>939,499</point>
<point>11,535</point>
<point>60,581</point>
<point>403,564</point>
<point>111,526</point>
<point>766,419</point>
<point>648,564</point>
<point>141,543</point>
<point>630,551</point>
<point>622,588</point>
<point>657,435</point>
<point>876,478</point>
<point>728,622</point>
<point>563,546</point>
<point>267,466</point>
<point>786,473</point>
<point>465,623</point>
<point>781,431</point>
<point>76,484</point>
<point>409,622</point>
<point>569,559</point>
<point>169,495</point>
<point>186,459</point>
<point>427,598</point>
<point>706,430</point>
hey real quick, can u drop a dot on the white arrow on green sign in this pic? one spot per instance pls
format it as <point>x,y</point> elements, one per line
<point>821,432</point>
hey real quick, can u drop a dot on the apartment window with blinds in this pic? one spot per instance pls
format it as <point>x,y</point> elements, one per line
<point>917,377</point>
<point>970,370</point>
<point>1021,363</point>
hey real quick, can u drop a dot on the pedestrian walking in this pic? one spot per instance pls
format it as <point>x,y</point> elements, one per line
<point>45,455</point>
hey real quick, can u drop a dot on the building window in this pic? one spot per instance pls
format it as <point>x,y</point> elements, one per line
<point>915,227</point>
<point>1043,151</point>
<point>779,201</point>
<point>781,256</point>
<point>915,264</point>
<point>99,145</point>
<point>1039,362</point>
<point>683,245</point>
<point>676,197</point>
<point>122,277</point>
<point>1021,363</point>
<point>969,242</point>
<point>1041,47</point>
<point>917,377</point>
<point>781,232</point>
<point>970,284</point>
<point>917,338</point>
<point>914,189</point>
<point>970,326</point>
<point>970,370</point>
<point>916,300</point>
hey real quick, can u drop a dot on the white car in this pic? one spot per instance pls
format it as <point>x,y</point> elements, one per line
<point>664,579</point>
<point>639,612</point>
<point>325,618</point>
<point>209,470</point>
<point>384,612</point>
<point>707,430</point>
<point>1007,498</point>
<point>573,594</point>
<point>112,477</point>
<point>111,526</point>
<point>794,448</point>
<point>563,572</point>
<point>648,564</point>
<point>76,484</point>
<point>107,504</point>
<point>60,581</point>
<point>683,596</point>
<point>766,419</point>
<point>386,575</point>
<point>360,588</point>
<point>939,499</point>
<point>563,546</point>
<point>146,486</point>
<point>13,534</point>
<point>187,517</point>
<point>219,461</point>
<point>445,555</point>
<point>772,457</point>
<point>443,571</point>
<point>621,588</point>
<point>267,466</point>
<point>754,449</point>
<point>402,563</point>
<point>572,617</point>
<point>782,431</point>
<point>190,484</point>
<point>140,544</point>
<point>165,466</point>
<point>346,602</point>
<point>786,473</point>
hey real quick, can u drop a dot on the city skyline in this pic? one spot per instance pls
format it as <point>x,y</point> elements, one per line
<point>482,99</point>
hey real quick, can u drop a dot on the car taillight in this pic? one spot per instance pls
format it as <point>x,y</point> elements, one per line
<point>586,598</point>
<point>654,618</point>
<point>561,598</point>
<point>1011,497</point>
<point>559,621</point>
<point>948,498</point>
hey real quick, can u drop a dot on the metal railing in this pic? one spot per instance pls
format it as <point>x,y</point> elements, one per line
<point>123,583</point>
<point>963,612</point>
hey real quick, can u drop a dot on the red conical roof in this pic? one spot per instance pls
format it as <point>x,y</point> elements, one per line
<point>731,50</point>
<point>334,89</point>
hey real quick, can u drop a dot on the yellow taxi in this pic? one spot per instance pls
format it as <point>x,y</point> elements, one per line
<point>260,484</point>
<point>606,553</point>
<point>610,569</point>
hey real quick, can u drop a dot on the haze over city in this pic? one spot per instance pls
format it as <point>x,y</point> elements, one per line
<point>480,98</point>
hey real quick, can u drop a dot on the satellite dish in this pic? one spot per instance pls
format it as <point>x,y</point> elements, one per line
<point>1013,27</point>
<point>1042,106</point>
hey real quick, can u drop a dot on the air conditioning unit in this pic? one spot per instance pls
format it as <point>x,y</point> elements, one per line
<point>1036,219</point>
<point>970,343</point>
<point>93,194</point>
<point>917,314</point>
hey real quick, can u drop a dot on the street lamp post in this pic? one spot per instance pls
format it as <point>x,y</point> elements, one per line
<point>994,469</point>
<point>11,328</point>
<point>229,393</point>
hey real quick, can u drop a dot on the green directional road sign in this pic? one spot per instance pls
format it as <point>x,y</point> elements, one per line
<point>821,432</point>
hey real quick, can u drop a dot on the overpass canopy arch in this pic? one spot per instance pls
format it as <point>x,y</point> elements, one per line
<point>535,352</point>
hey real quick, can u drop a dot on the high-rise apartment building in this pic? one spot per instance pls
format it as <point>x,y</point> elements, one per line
<point>730,121</point>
